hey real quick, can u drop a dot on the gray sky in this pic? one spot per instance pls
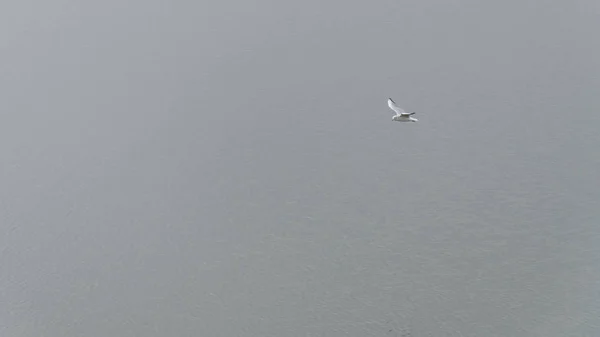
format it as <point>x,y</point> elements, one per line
<point>231,168</point>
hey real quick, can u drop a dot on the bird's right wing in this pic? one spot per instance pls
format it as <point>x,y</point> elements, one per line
<point>394,107</point>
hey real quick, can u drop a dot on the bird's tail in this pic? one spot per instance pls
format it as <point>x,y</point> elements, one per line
<point>412,113</point>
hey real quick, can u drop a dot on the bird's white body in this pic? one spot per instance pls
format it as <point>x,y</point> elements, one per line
<point>401,115</point>
<point>400,118</point>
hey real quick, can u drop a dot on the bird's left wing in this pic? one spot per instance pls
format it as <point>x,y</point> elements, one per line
<point>394,107</point>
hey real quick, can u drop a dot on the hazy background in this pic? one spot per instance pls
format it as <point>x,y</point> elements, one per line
<point>230,168</point>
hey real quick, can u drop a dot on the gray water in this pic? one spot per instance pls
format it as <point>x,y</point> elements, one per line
<point>231,168</point>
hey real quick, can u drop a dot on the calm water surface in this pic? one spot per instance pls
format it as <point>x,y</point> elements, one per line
<point>231,169</point>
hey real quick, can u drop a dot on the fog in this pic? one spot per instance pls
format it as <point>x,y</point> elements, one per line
<point>179,168</point>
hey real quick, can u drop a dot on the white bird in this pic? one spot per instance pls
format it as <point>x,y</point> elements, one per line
<point>401,115</point>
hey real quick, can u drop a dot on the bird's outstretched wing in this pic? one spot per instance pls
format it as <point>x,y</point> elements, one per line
<point>396,108</point>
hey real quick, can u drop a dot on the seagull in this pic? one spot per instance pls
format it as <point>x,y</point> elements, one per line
<point>401,115</point>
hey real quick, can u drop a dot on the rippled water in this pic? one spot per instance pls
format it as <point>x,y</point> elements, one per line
<point>233,170</point>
